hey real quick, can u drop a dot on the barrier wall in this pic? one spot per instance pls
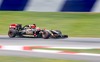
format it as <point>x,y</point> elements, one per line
<point>51,5</point>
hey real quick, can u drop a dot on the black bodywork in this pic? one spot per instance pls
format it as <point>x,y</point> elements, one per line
<point>20,31</point>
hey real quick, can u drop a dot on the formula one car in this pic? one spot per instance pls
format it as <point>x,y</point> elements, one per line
<point>16,30</point>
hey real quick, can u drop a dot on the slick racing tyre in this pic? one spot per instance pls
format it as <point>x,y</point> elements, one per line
<point>12,33</point>
<point>45,34</point>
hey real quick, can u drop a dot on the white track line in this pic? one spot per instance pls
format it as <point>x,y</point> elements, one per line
<point>27,49</point>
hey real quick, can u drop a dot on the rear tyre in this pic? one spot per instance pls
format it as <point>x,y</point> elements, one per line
<point>12,33</point>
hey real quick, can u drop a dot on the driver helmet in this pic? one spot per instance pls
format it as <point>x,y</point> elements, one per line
<point>33,26</point>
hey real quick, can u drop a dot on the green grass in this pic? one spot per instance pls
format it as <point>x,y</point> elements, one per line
<point>85,50</point>
<point>27,59</point>
<point>73,24</point>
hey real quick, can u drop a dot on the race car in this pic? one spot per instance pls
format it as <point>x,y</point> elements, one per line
<point>16,30</point>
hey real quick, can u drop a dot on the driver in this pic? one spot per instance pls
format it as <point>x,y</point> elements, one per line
<point>33,27</point>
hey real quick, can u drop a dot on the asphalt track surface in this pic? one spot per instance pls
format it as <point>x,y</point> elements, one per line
<point>67,42</point>
<point>74,42</point>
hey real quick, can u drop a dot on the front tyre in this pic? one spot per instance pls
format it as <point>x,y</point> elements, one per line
<point>45,34</point>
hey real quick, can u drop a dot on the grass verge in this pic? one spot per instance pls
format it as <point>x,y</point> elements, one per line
<point>73,24</point>
<point>27,59</point>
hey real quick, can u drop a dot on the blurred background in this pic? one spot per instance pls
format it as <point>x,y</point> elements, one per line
<point>51,5</point>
